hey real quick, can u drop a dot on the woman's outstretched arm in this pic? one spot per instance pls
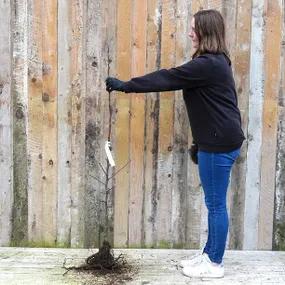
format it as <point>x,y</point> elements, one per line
<point>194,73</point>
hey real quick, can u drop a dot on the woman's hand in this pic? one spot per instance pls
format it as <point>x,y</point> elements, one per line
<point>113,83</point>
<point>194,153</point>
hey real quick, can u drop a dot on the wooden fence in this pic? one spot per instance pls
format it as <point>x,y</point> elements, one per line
<point>55,116</point>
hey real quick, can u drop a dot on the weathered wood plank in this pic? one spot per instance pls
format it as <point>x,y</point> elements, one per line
<point>195,199</point>
<point>19,234</point>
<point>99,196</point>
<point>122,124</point>
<point>279,205</point>
<point>108,54</point>
<point>49,21</point>
<point>197,214</point>
<point>95,65</point>
<point>137,126</point>
<point>181,128</point>
<point>78,93</point>
<point>279,209</point>
<point>240,56</point>
<point>165,145</point>
<point>252,188</point>
<point>65,44</point>
<point>151,124</point>
<point>228,10</point>
<point>6,194</point>
<point>270,122</point>
<point>35,127</point>
<point>216,4</point>
<point>197,5</point>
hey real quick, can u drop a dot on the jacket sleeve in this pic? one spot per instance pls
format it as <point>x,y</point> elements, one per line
<point>194,73</point>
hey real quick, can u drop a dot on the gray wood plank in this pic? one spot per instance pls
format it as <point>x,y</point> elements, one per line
<point>19,234</point>
<point>78,93</point>
<point>64,122</point>
<point>6,196</point>
<point>181,130</point>
<point>250,240</point>
<point>241,61</point>
<point>279,203</point>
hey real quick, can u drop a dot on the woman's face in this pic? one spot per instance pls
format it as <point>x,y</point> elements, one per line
<point>193,36</point>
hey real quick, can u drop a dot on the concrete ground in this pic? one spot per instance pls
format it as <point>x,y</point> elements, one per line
<point>35,266</point>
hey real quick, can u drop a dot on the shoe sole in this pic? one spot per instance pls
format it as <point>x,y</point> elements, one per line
<point>203,276</point>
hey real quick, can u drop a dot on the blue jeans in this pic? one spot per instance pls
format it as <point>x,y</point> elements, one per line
<point>214,171</point>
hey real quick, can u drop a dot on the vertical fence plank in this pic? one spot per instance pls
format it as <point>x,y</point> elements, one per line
<point>78,93</point>
<point>64,121</point>
<point>35,127</point>
<point>279,209</point>
<point>109,111</point>
<point>181,124</point>
<point>20,161</point>
<point>137,128</point>
<point>252,190</point>
<point>94,125</point>
<point>270,123</point>
<point>99,198</point>
<point>199,210</point>
<point>279,203</point>
<point>196,211</point>
<point>241,61</point>
<point>6,194</point>
<point>197,5</point>
<point>70,225</point>
<point>229,13</point>
<point>151,124</point>
<point>122,124</point>
<point>216,4</point>
<point>49,18</point>
<point>165,148</point>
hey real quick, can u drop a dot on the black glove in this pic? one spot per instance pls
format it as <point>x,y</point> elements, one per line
<point>113,83</point>
<point>193,151</point>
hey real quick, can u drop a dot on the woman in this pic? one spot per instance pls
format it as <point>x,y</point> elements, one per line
<point>211,101</point>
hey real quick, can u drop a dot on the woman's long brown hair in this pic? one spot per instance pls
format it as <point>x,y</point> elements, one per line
<point>210,30</point>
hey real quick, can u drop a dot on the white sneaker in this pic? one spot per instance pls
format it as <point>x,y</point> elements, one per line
<point>206,268</point>
<point>196,258</point>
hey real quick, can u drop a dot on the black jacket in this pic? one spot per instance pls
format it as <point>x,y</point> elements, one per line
<point>210,97</point>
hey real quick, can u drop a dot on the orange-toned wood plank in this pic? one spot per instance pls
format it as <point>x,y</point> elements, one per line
<point>137,124</point>
<point>197,5</point>
<point>240,55</point>
<point>181,129</point>
<point>35,128</point>
<point>122,124</point>
<point>49,20</point>
<point>270,122</point>
<point>165,147</point>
